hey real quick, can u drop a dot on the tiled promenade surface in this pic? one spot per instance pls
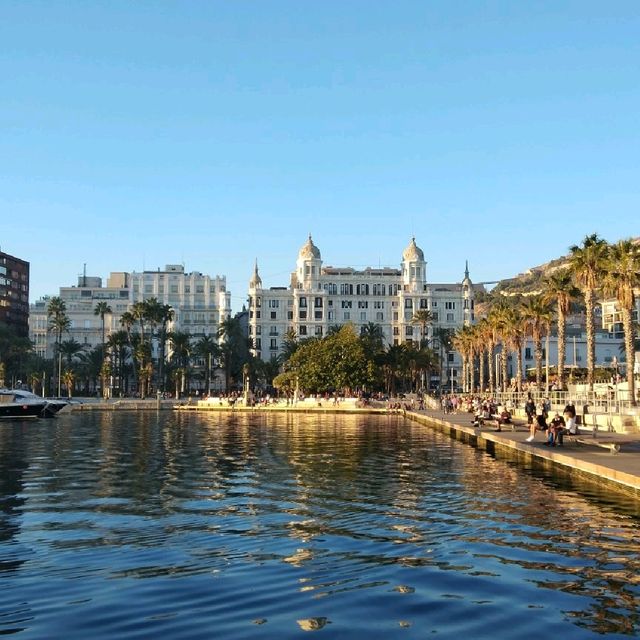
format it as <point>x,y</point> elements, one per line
<point>621,470</point>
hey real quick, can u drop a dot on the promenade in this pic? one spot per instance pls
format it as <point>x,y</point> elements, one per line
<point>619,471</point>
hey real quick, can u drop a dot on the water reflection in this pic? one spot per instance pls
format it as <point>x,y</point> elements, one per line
<point>182,523</point>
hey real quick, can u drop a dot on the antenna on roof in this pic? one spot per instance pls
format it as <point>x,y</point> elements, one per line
<point>84,275</point>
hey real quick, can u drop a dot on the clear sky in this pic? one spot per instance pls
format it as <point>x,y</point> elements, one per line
<point>139,134</point>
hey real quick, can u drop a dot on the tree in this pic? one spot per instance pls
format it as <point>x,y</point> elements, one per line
<point>102,309</point>
<point>622,277</point>
<point>559,289</point>
<point>207,348</point>
<point>372,338</point>
<point>59,323</point>
<point>234,349</point>
<point>423,318</point>
<point>336,362</point>
<point>443,335</point>
<point>587,263</point>
<point>69,349</point>
<point>181,350</point>
<point>537,316</point>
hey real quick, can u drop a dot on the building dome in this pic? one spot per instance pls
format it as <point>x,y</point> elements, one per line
<point>309,251</point>
<point>413,253</point>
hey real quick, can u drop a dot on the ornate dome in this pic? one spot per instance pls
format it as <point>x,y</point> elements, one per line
<point>309,251</point>
<point>413,253</point>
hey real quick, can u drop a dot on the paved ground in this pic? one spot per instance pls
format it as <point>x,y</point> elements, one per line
<point>622,468</point>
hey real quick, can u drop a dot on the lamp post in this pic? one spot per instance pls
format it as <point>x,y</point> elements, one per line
<point>59,372</point>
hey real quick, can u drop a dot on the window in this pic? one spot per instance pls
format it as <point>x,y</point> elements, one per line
<point>347,315</point>
<point>527,354</point>
<point>318,314</point>
<point>273,315</point>
<point>424,303</point>
<point>379,316</point>
<point>363,304</point>
<point>303,330</point>
<point>396,331</point>
<point>274,304</point>
<point>330,315</point>
<point>273,331</point>
<point>302,314</point>
<point>363,316</point>
<point>302,302</point>
<point>289,315</point>
<point>273,344</point>
<point>346,304</point>
<point>449,317</point>
<point>318,303</point>
<point>319,331</point>
<point>434,315</point>
<point>434,304</point>
<point>451,356</point>
<point>408,331</point>
<point>408,303</point>
<point>449,305</point>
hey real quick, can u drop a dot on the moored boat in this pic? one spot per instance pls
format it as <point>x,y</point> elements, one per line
<point>13,405</point>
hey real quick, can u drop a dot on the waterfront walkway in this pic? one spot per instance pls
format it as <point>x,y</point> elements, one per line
<point>621,470</point>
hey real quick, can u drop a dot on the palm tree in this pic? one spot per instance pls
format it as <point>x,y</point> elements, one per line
<point>537,316</point>
<point>102,309</point>
<point>512,336</point>
<point>181,351</point>
<point>117,345</point>
<point>623,276</point>
<point>58,323</point>
<point>559,289</point>
<point>69,349</point>
<point>423,318</point>
<point>587,264</point>
<point>443,336</point>
<point>207,348</point>
<point>234,349</point>
<point>462,344</point>
<point>372,338</point>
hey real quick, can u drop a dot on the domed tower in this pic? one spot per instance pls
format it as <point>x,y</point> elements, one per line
<point>308,265</point>
<point>414,268</point>
<point>467,296</point>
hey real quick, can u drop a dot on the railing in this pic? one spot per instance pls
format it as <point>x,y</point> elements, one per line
<point>609,401</point>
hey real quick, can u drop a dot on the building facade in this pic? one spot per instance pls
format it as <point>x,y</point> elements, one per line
<point>14,293</point>
<point>80,302</point>
<point>200,304</point>
<point>319,297</point>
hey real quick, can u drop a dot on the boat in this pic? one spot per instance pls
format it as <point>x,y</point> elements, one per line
<point>53,405</point>
<point>13,405</point>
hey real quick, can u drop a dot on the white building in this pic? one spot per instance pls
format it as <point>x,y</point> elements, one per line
<point>81,301</point>
<point>200,302</point>
<point>319,297</point>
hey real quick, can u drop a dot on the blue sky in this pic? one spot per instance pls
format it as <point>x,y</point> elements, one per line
<point>136,135</point>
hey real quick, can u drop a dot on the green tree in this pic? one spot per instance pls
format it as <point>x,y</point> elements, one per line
<point>207,348</point>
<point>102,309</point>
<point>423,318</point>
<point>622,278</point>
<point>537,316</point>
<point>558,289</point>
<point>234,350</point>
<point>587,264</point>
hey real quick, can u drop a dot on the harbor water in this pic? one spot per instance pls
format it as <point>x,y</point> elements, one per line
<point>253,525</point>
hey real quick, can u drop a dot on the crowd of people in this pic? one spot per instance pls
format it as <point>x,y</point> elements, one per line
<point>487,410</point>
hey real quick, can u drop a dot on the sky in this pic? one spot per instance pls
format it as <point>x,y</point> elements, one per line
<point>213,134</point>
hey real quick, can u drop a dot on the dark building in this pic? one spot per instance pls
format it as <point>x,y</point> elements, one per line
<point>14,293</point>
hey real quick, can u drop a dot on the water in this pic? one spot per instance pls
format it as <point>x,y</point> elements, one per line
<point>125,525</point>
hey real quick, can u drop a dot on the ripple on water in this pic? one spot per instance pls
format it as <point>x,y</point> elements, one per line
<point>136,526</point>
